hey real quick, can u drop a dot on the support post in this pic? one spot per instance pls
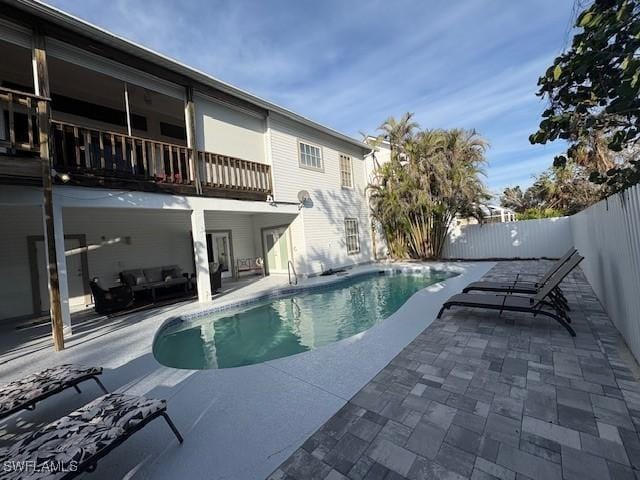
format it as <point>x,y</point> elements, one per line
<point>192,141</point>
<point>200,255</point>
<point>126,106</point>
<point>41,87</point>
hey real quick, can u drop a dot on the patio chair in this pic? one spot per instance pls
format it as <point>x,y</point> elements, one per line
<point>511,302</point>
<point>216,279</point>
<point>112,300</point>
<point>26,392</point>
<point>75,443</point>
<point>528,288</point>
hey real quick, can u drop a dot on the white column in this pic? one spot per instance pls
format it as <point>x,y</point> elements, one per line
<point>200,254</point>
<point>502,215</point>
<point>58,230</point>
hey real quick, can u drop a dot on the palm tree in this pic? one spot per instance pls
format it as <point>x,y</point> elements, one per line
<point>398,132</point>
<point>434,176</point>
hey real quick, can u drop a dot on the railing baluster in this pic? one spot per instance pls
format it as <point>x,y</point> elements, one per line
<point>134,157</point>
<point>144,159</point>
<point>206,161</point>
<point>179,160</point>
<point>30,122</point>
<point>76,146</point>
<point>153,166</point>
<point>260,177</point>
<point>123,148</point>
<point>12,127</point>
<point>216,164</point>
<point>163,172</point>
<point>171,164</point>
<point>65,158</point>
<point>256,175</point>
<point>87,149</point>
<point>103,164</point>
<point>113,152</point>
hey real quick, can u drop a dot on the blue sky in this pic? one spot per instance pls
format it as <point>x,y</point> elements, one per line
<point>350,65</point>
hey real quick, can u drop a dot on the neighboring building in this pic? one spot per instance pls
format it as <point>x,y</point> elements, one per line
<point>491,214</point>
<point>154,164</point>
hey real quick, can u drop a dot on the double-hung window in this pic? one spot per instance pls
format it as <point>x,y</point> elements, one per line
<point>310,156</point>
<point>346,173</point>
<point>351,235</point>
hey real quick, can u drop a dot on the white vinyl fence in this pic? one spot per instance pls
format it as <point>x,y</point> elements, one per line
<point>607,234</point>
<point>549,237</point>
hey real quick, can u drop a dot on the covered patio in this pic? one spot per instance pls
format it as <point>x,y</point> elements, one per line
<point>117,238</point>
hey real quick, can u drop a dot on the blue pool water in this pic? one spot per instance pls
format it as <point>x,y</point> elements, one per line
<point>280,327</point>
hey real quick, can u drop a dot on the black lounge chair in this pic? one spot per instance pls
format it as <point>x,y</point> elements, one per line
<point>511,302</point>
<point>520,286</point>
<point>26,392</point>
<point>524,287</point>
<point>75,443</point>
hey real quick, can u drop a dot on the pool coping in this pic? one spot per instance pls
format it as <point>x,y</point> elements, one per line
<point>310,284</point>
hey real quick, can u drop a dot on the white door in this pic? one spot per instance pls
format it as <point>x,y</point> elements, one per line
<point>75,276</point>
<point>219,251</point>
<point>276,246</point>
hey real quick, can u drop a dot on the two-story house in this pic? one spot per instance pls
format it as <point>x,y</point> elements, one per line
<point>114,157</point>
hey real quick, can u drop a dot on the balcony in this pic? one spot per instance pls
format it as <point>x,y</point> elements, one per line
<point>89,157</point>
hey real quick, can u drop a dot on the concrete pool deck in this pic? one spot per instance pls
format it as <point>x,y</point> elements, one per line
<point>238,423</point>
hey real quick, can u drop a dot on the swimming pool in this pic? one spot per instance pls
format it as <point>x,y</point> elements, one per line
<point>297,322</point>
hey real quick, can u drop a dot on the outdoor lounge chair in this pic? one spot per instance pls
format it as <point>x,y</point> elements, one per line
<point>524,287</point>
<point>520,286</point>
<point>75,443</point>
<point>26,392</point>
<point>522,303</point>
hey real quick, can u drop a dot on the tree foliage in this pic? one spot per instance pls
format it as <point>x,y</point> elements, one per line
<point>593,91</point>
<point>559,190</point>
<point>433,175</point>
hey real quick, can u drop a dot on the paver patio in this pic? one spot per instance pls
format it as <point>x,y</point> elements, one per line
<point>480,395</point>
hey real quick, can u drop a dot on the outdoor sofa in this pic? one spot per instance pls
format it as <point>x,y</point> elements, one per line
<point>542,303</point>
<point>154,279</point>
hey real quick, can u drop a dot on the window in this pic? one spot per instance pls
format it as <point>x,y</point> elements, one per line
<point>173,131</point>
<point>310,156</point>
<point>351,235</point>
<point>346,177</point>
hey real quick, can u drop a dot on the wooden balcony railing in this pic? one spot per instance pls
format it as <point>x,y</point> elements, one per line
<point>95,157</point>
<point>219,171</point>
<point>116,157</point>
<point>21,131</point>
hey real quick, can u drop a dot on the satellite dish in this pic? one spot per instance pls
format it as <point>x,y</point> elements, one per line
<point>303,196</point>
